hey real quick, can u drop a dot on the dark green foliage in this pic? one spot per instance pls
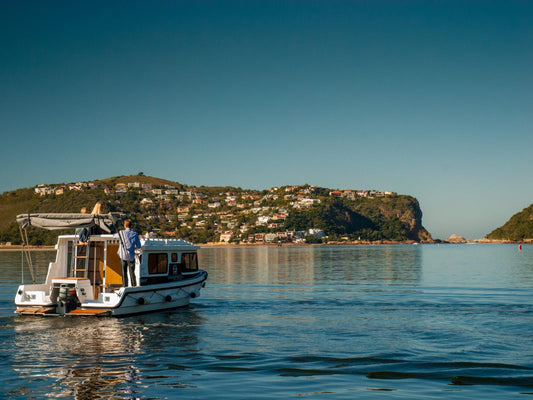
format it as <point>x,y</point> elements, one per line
<point>312,240</point>
<point>334,218</point>
<point>519,227</point>
<point>387,218</point>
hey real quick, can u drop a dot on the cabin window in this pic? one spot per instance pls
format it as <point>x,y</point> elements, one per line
<point>190,261</point>
<point>174,257</point>
<point>157,263</point>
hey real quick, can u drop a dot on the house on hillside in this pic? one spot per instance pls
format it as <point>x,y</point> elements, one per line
<point>271,237</point>
<point>349,194</point>
<point>226,236</point>
<point>262,220</point>
<point>43,190</point>
<point>317,233</point>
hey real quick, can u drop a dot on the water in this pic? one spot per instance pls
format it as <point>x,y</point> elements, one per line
<point>427,321</point>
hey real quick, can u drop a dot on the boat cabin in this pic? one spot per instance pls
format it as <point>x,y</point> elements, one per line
<point>160,261</point>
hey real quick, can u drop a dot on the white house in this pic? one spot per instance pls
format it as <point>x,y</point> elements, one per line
<point>226,236</point>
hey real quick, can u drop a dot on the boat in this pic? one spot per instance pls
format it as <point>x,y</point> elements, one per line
<point>86,277</point>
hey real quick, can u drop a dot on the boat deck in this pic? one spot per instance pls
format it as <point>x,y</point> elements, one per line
<point>50,311</point>
<point>35,310</point>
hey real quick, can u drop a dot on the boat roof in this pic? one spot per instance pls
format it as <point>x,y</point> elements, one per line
<point>55,221</point>
<point>167,244</point>
<point>151,244</point>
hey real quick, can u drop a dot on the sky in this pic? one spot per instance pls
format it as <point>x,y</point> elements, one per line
<point>431,99</point>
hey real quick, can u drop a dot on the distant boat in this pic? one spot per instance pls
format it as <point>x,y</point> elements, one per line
<point>86,277</point>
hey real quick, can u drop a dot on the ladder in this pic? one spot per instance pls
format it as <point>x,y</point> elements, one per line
<point>81,253</point>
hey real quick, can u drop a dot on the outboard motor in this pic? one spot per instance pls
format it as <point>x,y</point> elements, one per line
<point>67,300</point>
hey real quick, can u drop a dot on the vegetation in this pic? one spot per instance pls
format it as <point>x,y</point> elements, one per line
<point>519,227</point>
<point>204,214</point>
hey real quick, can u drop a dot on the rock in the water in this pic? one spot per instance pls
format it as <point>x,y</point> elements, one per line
<point>455,238</point>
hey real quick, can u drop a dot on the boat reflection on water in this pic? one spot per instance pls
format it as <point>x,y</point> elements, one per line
<point>95,358</point>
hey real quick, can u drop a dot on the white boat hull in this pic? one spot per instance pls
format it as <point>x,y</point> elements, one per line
<point>151,298</point>
<point>123,302</point>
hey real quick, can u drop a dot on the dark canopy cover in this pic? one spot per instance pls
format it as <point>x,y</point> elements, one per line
<point>54,221</point>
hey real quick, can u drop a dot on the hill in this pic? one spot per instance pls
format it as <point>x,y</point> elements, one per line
<point>210,214</point>
<point>140,178</point>
<point>519,227</point>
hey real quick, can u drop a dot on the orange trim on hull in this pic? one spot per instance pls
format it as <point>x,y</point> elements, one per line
<point>90,312</point>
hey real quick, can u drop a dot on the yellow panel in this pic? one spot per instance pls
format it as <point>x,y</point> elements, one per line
<point>114,269</point>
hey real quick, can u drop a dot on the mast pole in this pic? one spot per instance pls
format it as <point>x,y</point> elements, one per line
<point>26,252</point>
<point>22,263</point>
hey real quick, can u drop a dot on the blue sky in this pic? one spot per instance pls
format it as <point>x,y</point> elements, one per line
<point>427,98</point>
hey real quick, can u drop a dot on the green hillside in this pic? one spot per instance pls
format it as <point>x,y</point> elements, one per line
<point>210,214</point>
<point>519,227</point>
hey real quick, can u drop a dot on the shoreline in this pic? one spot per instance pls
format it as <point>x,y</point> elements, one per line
<point>354,243</point>
<point>365,243</point>
<point>16,247</point>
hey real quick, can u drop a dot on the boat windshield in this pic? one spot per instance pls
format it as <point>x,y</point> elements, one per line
<point>189,261</point>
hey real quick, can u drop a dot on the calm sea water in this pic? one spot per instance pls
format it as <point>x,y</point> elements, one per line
<point>405,321</point>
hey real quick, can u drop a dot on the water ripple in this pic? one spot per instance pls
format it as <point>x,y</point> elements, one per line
<point>316,322</point>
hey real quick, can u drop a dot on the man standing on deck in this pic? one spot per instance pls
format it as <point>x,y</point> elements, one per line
<point>130,239</point>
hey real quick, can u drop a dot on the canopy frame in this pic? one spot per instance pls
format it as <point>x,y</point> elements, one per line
<point>56,221</point>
